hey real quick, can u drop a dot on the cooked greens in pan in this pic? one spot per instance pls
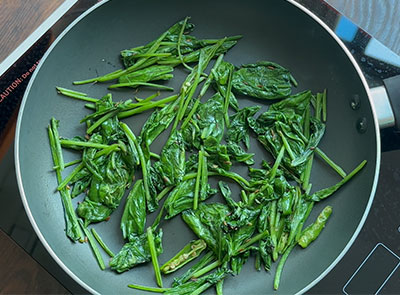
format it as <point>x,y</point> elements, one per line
<point>208,136</point>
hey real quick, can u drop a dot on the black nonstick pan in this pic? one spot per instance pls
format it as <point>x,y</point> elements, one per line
<point>274,30</point>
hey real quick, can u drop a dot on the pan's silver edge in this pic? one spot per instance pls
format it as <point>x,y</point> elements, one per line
<point>88,288</point>
<point>378,146</point>
<point>16,152</point>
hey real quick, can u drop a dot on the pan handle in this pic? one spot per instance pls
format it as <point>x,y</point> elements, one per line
<point>386,100</point>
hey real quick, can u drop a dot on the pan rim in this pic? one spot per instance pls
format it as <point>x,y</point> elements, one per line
<point>378,145</point>
<point>16,151</point>
<point>294,3</point>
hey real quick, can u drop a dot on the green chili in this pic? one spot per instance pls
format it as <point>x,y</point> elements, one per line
<point>313,231</point>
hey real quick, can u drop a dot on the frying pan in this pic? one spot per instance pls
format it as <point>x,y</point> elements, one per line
<point>279,31</point>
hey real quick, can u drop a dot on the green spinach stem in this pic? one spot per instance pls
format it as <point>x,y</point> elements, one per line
<point>324,106</point>
<point>278,161</point>
<point>71,143</point>
<point>201,289</point>
<point>206,269</point>
<point>227,97</point>
<point>149,289</point>
<point>93,245</point>
<point>179,44</point>
<point>153,254</point>
<point>198,177</point>
<point>281,264</point>
<point>101,243</point>
<point>75,94</point>
<point>73,229</point>
<point>146,107</point>
<point>334,166</point>
<point>142,160</point>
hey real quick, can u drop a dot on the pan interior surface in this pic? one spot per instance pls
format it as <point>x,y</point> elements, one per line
<point>272,30</point>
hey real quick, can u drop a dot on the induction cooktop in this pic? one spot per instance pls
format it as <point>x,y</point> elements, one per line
<point>371,266</point>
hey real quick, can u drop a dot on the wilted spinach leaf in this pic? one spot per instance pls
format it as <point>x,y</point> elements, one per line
<point>264,79</point>
<point>172,163</point>
<point>135,252</point>
<point>134,217</point>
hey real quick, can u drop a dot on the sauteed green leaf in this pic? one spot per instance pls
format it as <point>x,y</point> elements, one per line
<point>208,136</point>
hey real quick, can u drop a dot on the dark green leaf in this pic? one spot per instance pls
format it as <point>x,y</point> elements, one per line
<point>237,153</point>
<point>206,281</point>
<point>238,130</point>
<point>129,55</point>
<point>172,167</point>
<point>158,121</point>
<point>264,79</point>
<point>134,217</point>
<point>135,252</point>
<point>208,124</point>
<point>238,261</point>
<point>148,74</point>
<point>221,76</point>
<point>227,194</point>
<point>218,155</point>
<point>195,55</point>
<point>93,211</point>
<point>282,125</point>
<point>181,197</point>
<point>206,223</point>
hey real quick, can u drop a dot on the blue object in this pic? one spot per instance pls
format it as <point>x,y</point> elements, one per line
<point>379,51</point>
<point>345,29</point>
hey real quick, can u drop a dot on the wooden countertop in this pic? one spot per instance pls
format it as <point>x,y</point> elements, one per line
<point>19,18</point>
<point>20,274</point>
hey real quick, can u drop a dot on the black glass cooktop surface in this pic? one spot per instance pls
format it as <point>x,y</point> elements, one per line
<point>371,266</point>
